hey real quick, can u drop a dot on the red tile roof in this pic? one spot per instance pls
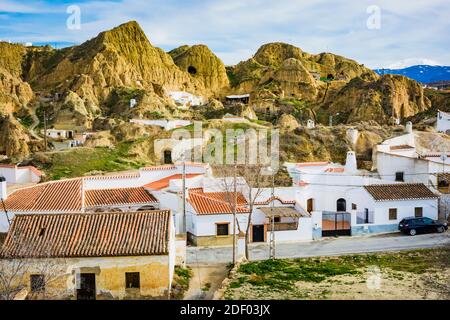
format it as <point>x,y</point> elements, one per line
<point>105,197</point>
<point>65,195</point>
<point>88,235</point>
<point>164,183</point>
<point>402,147</point>
<point>269,200</point>
<point>335,170</point>
<point>312,164</point>
<point>401,191</point>
<point>158,168</point>
<point>209,203</point>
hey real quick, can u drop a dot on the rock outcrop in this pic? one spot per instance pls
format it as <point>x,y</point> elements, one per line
<point>202,64</point>
<point>390,97</point>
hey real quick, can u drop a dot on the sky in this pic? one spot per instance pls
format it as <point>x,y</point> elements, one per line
<point>377,33</point>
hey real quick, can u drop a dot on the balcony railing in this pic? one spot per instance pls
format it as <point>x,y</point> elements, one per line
<point>280,226</point>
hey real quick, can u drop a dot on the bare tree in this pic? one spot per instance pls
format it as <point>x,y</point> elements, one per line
<point>12,276</point>
<point>16,272</point>
<point>250,181</point>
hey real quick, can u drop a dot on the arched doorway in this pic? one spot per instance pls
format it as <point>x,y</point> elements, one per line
<point>341,205</point>
<point>168,157</point>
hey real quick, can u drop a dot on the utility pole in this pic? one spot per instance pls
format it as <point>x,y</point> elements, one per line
<point>6,211</point>
<point>234,210</point>
<point>184,197</point>
<point>272,232</point>
<point>45,130</point>
<point>443,158</point>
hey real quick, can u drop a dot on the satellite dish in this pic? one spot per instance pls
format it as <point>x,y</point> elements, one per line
<point>444,156</point>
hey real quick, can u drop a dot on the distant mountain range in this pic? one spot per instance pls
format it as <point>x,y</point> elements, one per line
<point>421,73</point>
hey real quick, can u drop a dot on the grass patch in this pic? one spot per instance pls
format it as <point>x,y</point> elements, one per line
<point>181,282</point>
<point>283,278</point>
<point>81,161</point>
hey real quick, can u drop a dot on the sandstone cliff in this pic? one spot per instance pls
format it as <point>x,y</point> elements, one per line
<point>203,65</point>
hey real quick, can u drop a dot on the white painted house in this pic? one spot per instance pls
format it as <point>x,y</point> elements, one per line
<point>399,159</point>
<point>337,198</point>
<point>167,125</point>
<point>20,175</point>
<point>210,216</point>
<point>443,122</point>
<point>185,100</point>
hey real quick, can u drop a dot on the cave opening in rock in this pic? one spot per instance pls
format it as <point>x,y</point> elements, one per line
<point>192,70</point>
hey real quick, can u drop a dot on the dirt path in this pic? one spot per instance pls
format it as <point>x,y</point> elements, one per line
<point>205,281</point>
<point>34,125</point>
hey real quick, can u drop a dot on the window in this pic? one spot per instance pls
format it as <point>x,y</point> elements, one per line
<point>222,229</point>
<point>277,219</point>
<point>418,212</point>
<point>310,205</point>
<point>37,283</point>
<point>132,280</point>
<point>400,176</point>
<point>393,214</point>
<point>354,206</point>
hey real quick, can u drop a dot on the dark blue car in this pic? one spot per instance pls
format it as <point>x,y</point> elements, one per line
<point>413,226</point>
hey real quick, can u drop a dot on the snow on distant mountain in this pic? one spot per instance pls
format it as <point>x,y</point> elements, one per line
<point>421,73</point>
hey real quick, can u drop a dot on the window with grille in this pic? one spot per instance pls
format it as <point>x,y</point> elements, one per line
<point>133,280</point>
<point>222,229</point>
<point>393,214</point>
<point>37,283</point>
<point>418,212</point>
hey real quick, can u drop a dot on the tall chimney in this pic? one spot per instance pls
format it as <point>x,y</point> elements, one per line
<point>350,164</point>
<point>409,127</point>
<point>3,191</point>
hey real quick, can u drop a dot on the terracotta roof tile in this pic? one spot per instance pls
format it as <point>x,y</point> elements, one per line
<point>164,183</point>
<point>65,195</point>
<point>105,197</point>
<point>208,203</point>
<point>88,235</point>
<point>401,191</point>
<point>269,200</point>
<point>159,168</point>
<point>335,170</point>
<point>402,147</point>
<point>312,164</point>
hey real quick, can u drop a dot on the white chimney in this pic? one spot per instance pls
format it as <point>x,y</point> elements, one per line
<point>353,135</point>
<point>350,164</point>
<point>3,190</point>
<point>409,127</point>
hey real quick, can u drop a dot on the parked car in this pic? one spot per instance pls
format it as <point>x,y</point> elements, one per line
<point>413,226</point>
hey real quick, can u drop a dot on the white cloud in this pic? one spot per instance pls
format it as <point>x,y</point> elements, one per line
<point>234,29</point>
<point>405,63</point>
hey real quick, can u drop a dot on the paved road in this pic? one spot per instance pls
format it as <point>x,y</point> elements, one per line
<point>325,247</point>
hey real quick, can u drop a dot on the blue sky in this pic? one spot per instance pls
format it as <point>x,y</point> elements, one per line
<point>411,31</point>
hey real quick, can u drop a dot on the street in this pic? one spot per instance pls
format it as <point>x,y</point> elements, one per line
<point>325,247</point>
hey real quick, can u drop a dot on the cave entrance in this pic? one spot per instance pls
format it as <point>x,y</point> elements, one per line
<point>192,70</point>
<point>168,157</point>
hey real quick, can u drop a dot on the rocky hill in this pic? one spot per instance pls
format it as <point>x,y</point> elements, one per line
<point>90,86</point>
